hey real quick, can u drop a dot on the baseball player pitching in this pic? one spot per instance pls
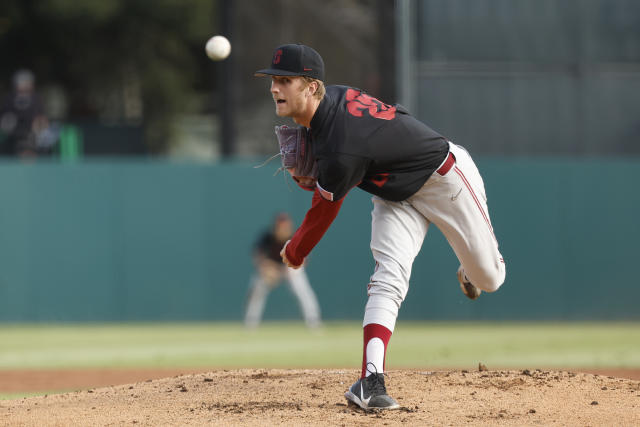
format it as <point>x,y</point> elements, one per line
<point>417,178</point>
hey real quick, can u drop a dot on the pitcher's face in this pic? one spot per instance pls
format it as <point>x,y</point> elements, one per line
<point>289,95</point>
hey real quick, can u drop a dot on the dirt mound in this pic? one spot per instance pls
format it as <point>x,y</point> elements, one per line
<point>315,397</point>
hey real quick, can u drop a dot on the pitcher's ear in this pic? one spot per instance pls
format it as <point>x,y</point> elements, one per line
<point>313,88</point>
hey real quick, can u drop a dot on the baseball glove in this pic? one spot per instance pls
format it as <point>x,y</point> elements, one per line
<point>296,154</point>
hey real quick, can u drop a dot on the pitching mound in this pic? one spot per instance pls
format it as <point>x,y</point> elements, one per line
<point>315,397</point>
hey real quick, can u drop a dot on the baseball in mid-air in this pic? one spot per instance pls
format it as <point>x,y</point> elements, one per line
<point>218,48</point>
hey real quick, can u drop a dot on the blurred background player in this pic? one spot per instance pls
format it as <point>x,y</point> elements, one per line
<point>270,272</point>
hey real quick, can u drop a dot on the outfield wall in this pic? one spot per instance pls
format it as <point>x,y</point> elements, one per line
<point>159,240</point>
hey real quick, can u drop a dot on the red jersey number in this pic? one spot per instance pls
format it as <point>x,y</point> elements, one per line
<point>359,102</point>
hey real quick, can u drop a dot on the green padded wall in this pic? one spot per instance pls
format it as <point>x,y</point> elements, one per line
<point>157,240</point>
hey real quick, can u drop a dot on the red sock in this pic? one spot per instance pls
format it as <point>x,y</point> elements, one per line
<point>373,330</point>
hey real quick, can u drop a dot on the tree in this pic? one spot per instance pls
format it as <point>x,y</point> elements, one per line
<point>117,60</point>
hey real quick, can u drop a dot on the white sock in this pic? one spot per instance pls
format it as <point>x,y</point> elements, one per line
<point>375,357</point>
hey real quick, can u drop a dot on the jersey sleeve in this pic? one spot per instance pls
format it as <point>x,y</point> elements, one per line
<point>316,222</point>
<point>339,174</point>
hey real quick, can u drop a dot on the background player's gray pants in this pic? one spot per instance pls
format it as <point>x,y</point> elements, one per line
<point>301,288</point>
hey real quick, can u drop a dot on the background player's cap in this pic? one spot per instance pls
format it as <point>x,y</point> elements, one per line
<point>295,60</point>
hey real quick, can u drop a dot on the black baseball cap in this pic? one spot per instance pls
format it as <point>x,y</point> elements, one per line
<point>294,60</point>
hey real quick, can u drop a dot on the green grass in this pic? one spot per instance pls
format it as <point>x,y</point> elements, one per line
<point>291,345</point>
<point>13,396</point>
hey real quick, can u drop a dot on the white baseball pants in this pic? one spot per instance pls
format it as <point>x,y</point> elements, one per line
<point>301,288</point>
<point>457,204</point>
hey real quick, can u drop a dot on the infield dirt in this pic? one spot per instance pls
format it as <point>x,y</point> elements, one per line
<point>315,397</point>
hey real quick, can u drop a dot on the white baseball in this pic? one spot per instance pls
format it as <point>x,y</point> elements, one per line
<point>218,48</point>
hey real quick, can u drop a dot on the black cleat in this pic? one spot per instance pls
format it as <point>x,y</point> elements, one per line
<point>467,288</point>
<point>370,393</point>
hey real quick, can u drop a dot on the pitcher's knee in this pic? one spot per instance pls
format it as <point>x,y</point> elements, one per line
<point>389,291</point>
<point>488,279</point>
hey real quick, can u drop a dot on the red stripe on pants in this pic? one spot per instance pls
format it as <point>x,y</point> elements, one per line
<point>475,198</point>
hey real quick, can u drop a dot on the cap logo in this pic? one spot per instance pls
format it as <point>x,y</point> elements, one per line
<point>277,56</point>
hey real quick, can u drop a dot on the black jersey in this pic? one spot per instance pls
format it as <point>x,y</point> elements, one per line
<point>360,141</point>
<point>269,246</point>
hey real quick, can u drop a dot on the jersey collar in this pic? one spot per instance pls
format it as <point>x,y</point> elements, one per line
<point>320,116</point>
